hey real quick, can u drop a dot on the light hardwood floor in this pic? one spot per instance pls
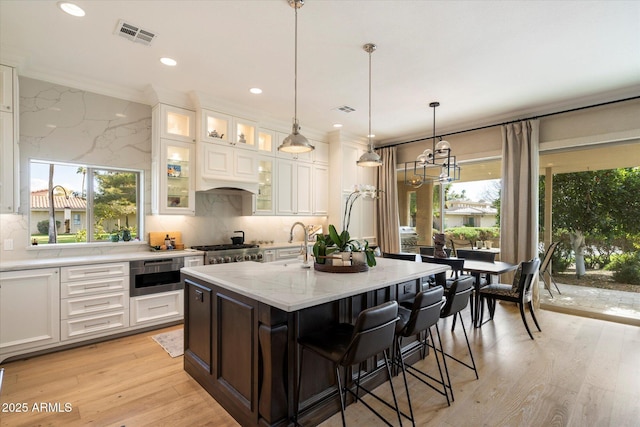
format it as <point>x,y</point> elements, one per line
<point>578,372</point>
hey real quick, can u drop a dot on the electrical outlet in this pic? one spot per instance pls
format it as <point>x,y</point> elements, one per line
<point>8,244</point>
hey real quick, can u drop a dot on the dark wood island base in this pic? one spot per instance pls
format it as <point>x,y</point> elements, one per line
<point>244,351</point>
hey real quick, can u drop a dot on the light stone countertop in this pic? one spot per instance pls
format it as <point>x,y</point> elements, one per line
<point>289,287</point>
<point>94,259</point>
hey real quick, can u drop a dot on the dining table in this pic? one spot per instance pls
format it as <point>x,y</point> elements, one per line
<point>477,269</point>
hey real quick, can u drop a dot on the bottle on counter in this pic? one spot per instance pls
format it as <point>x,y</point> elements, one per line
<point>167,242</point>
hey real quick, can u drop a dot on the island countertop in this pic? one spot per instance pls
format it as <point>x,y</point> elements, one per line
<point>289,287</point>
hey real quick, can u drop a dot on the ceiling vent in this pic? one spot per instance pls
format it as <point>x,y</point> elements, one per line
<point>345,109</point>
<point>135,33</point>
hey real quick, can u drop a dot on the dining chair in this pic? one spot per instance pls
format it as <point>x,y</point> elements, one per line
<point>403,256</point>
<point>417,318</point>
<point>478,255</point>
<point>457,298</point>
<point>345,345</point>
<point>431,250</point>
<point>519,292</point>
<point>545,267</point>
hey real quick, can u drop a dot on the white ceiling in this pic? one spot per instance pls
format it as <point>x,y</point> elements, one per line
<point>484,61</point>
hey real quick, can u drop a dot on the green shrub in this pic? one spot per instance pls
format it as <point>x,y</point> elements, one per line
<point>472,234</point>
<point>43,226</point>
<point>626,268</point>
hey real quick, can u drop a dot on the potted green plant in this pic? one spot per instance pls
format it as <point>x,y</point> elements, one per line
<point>339,247</point>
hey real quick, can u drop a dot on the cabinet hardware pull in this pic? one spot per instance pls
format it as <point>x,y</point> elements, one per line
<point>96,324</point>
<point>96,304</point>
<point>96,272</point>
<point>106,285</point>
<point>158,306</point>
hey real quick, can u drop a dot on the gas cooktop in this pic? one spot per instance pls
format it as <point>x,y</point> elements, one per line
<point>223,247</point>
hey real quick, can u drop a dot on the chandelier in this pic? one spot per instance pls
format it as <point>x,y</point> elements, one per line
<point>435,164</point>
<point>370,158</point>
<point>295,142</point>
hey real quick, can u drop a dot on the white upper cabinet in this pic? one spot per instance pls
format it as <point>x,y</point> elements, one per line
<point>177,123</point>
<point>177,179</point>
<point>6,89</point>
<point>321,153</point>
<point>219,128</point>
<point>266,141</point>
<point>228,163</point>
<point>294,184</point>
<point>9,157</point>
<point>172,161</point>
<point>215,127</point>
<point>246,134</point>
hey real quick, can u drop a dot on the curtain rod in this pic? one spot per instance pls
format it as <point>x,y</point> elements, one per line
<point>513,121</point>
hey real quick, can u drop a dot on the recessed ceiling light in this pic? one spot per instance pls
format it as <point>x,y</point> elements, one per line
<point>121,115</point>
<point>337,125</point>
<point>169,61</point>
<point>71,8</point>
<point>373,135</point>
<point>255,90</point>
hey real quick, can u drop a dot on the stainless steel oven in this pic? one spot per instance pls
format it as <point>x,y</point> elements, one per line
<point>221,254</point>
<point>153,276</point>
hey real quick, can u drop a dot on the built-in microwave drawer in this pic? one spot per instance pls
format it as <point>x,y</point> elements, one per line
<point>94,271</point>
<point>75,307</point>
<point>95,286</point>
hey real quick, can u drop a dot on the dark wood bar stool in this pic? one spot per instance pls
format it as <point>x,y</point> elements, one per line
<point>346,345</point>
<point>417,318</point>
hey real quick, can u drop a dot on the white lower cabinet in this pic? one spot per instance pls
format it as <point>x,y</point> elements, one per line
<point>94,300</point>
<point>193,261</point>
<point>29,310</point>
<point>157,308</point>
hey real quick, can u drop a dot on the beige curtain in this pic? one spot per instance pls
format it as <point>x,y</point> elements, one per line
<point>388,224</point>
<point>519,204</point>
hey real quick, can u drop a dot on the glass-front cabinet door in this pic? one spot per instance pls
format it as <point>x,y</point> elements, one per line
<point>266,141</point>
<point>178,123</point>
<point>264,199</point>
<point>177,195</point>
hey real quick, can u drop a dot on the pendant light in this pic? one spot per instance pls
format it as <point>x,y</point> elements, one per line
<point>295,142</point>
<point>435,164</point>
<point>370,158</point>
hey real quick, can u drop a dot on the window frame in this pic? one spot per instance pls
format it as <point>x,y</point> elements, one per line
<point>90,192</point>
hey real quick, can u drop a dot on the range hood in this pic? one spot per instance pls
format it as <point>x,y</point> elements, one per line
<point>219,186</point>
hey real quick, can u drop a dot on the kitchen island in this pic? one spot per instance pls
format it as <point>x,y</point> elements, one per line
<point>242,321</point>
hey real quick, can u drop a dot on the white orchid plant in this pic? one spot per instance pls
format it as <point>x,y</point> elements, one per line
<point>341,242</point>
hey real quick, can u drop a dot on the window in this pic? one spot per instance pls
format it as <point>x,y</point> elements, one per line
<point>83,203</point>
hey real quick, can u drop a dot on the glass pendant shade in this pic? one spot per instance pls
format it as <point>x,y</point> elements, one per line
<point>443,145</point>
<point>295,142</point>
<point>416,181</point>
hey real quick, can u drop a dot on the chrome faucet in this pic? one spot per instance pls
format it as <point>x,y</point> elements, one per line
<point>306,240</point>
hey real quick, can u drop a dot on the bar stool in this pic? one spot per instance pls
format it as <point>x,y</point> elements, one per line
<point>457,299</point>
<point>419,317</point>
<point>346,345</point>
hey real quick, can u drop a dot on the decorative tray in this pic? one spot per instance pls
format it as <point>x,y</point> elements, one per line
<point>358,268</point>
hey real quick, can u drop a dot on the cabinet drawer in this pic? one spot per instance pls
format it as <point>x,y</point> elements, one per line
<point>94,325</point>
<point>158,307</point>
<point>95,271</point>
<point>288,253</point>
<point>75,307</point>
<point>95,286</point>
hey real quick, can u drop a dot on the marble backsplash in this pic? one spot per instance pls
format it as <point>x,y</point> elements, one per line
<point>69,125</point>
